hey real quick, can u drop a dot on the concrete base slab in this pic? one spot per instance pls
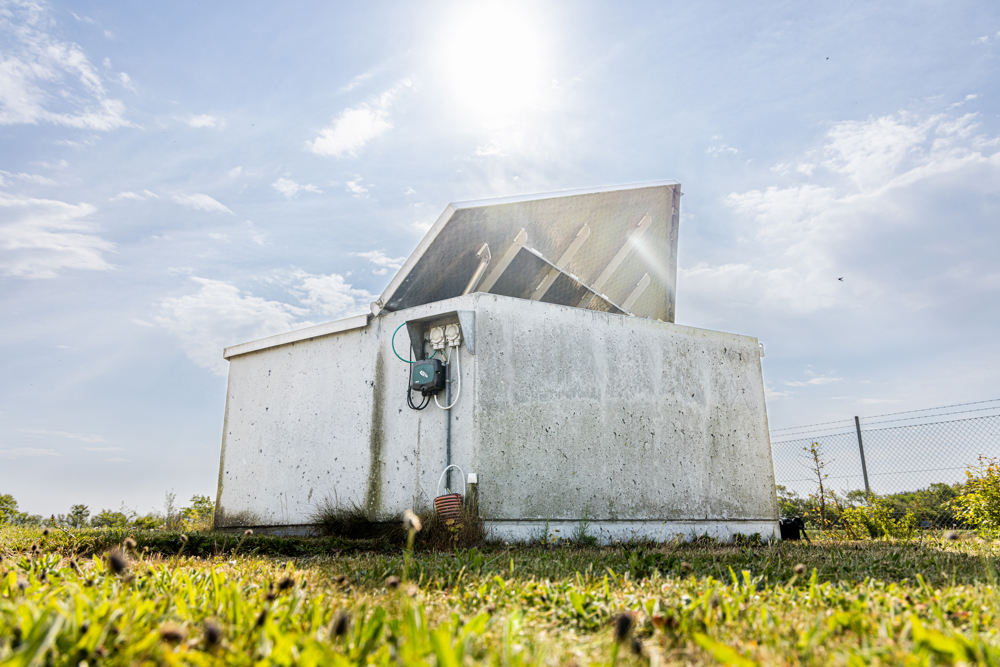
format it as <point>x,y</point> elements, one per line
<point>609,532</point>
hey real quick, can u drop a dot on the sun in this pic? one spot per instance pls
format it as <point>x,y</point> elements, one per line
<point>495,60</point>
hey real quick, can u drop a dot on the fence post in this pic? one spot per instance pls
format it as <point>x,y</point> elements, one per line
<point>861,446</point>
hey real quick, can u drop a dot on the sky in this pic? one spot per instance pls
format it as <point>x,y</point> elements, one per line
<point>180,177</point>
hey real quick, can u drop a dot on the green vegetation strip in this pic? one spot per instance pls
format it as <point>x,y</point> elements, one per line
<point>829,603</point>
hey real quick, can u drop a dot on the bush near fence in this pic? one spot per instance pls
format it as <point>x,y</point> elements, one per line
<point>913,468</point>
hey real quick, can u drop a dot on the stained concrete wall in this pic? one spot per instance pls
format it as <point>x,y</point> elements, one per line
<point>649,428</point>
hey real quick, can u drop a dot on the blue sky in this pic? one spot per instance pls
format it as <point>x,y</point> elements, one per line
<point>179,177</point>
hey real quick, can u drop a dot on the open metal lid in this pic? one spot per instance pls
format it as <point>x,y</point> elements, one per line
<point>612,249</point>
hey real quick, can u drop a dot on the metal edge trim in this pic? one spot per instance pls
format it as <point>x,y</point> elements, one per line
<point>339,326</point>
<point>559,193</point>
<point>415,256</point>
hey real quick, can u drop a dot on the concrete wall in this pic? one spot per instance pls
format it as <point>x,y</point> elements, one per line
<point>650,428</point>
<point>634,421</point>
<point>327,418</point>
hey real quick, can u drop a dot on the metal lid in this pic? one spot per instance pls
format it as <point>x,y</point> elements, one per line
<point>612,249</point>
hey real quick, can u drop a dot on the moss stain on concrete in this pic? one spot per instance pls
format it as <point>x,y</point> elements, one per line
<point>373,497</point>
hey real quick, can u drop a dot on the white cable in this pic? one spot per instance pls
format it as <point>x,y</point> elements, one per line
<point>458,372</point>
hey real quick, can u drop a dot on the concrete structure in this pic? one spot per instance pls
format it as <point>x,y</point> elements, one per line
<point>647,427</point>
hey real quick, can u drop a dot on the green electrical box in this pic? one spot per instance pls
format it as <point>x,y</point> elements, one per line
<point>427,376</point>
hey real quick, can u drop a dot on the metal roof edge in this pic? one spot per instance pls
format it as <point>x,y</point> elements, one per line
<point>559,193</point>
<point>338,326</point>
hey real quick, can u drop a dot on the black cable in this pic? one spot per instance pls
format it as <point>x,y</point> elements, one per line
<point>409,400</point>
<point>409,389</point>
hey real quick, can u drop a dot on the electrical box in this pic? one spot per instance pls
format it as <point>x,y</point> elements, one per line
<point>427,376</point>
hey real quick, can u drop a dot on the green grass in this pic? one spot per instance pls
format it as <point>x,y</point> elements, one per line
<point>703,603</point>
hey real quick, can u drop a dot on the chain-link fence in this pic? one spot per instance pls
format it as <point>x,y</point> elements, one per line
<point>915,461</point>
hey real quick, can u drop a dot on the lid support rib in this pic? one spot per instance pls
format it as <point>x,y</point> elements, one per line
<point>505,260</point>
<point>636,293</point>
<point>547,281</point>
<point>484,261</point>
<point>618,258</point>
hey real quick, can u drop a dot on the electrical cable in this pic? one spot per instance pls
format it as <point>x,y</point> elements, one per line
<point>393,343</point>
<point>409,389</point>
<point>409,400</point>
<point>458,392</point>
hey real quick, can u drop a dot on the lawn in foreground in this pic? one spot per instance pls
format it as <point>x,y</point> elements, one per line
<point>853,603</point>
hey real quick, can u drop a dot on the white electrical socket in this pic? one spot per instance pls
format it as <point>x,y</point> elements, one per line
<point>437,338</point>
<point>453,334</point>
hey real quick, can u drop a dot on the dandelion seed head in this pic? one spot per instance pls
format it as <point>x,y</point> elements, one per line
<point>411,522</point>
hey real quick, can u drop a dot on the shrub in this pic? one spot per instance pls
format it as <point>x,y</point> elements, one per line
<point>979,506</point>
<point>876,520</point>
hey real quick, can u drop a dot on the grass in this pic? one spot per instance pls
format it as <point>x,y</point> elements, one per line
<point>702,603</point>
<point>354,522</point>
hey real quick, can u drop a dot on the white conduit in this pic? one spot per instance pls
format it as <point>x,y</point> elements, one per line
<point>458,373</point>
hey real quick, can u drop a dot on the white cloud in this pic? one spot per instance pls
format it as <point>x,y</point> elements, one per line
<point>356,81</point>
<point>331,295</point>
<point>257,237</point>
<point>59,164</point>
<point>64,434</point>
<point>409,191</point>
<point>104,449</point>
<point>491,148</point>
<point>235,172</point>
<point>721,149</point>
<point>46,80</point>
<point>219,314</point>
<point>117,460</point>
<point>29,178</point>
<point>771,393</point>
<point>41,237</point>
<point>136,196</point>
<point>893,177</point>
<point>878,401</point>
<point>379,258</point>
<point>87,19</point>
<point>126,81</point>
<point>353,128</point>
<point>290,188</point>
<point>356,188</point>
<point>202,202</point>
<point>204,120</point>
<point>25,452</point>
<point>814,381</point>
<point>968,98</point>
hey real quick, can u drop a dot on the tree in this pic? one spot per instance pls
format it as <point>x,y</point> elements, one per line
<point>112,519</point>
<point>78,515</point>
<point>170,513</point>
<point>200,513</point>
<point>8,508</point>
<point>816,466</point>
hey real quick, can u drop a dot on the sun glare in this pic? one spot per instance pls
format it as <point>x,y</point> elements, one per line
<point>495,60</point>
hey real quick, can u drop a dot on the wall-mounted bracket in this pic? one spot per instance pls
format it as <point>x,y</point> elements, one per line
<point>417,329</point>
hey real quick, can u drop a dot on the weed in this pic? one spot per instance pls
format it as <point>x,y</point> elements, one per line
<point>582,536</point>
